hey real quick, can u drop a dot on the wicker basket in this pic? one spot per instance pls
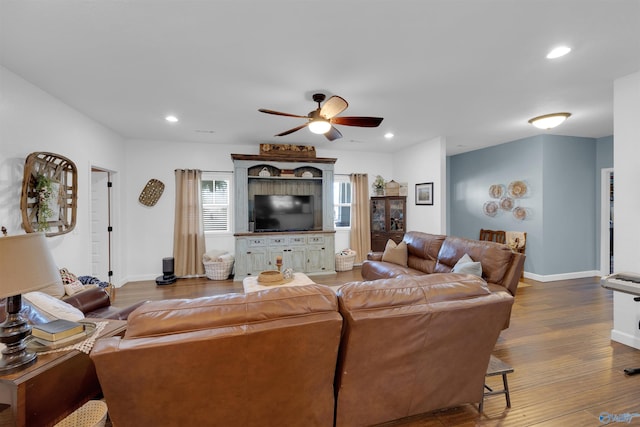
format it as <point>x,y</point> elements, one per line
<point>218,270</point>
<point>91,414</point>
<point>344,262</point>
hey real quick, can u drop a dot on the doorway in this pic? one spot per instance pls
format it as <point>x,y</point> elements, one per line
<point>101,224</point>
<point>606,222</point>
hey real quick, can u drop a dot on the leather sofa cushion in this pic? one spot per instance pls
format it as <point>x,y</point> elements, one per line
<point>495,257</point>
<point>410,291</point>
<point>168,317</point>
<point>423,249</point>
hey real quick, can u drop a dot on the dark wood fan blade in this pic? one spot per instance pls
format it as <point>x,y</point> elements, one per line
<point>334,106</point>
<point>333,134</point>
<point>287,132</point>
<point>279,113</point>
<point>365,122</point>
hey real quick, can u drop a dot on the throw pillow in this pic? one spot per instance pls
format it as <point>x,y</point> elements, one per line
<point>67,276</point>
<point>466,265</point>
<point>73,287</point>
<point>53,306</point>
<point>395,253</point>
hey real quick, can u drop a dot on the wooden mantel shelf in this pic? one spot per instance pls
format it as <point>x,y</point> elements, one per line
<point>279,158</point>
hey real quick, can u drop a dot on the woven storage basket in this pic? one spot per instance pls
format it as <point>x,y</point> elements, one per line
<point>345,262</point>
<point>218,270</point>
<point>91,414</point>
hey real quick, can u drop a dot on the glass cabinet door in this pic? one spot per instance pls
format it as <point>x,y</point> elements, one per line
<point>396,215</point>
<point>378,215</point>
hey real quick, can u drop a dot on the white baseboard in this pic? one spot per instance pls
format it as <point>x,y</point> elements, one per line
<point>139,278</point>
<point>625,338</point>
<point>561,276</point>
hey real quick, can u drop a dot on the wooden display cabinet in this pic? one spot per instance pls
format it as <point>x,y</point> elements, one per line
<point>388,220</point>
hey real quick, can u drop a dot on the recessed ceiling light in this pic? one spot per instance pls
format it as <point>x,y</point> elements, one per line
<point>388,135</point>
<point>558,52</point>
<point>171,119</point>
<point>549,121</point>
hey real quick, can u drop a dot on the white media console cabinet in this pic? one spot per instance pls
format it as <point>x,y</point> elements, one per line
<point>311,251</point>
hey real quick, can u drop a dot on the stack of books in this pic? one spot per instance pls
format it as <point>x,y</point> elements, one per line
<point>58,332</point>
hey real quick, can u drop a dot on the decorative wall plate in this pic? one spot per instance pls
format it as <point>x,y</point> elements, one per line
<point>496,191</point>
<point>490,208</point>
<point>520,213</point>
<point>506,203</point>
<point>151,192</point>
<point>518,189</point>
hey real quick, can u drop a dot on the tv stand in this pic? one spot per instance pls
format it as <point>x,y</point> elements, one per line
<point>310,252</point>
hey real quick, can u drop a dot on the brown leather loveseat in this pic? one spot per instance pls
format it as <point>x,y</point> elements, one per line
<point>304,355</point>
<point>433,253</point>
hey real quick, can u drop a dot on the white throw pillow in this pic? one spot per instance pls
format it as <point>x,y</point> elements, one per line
<point>53,306</point>
<point>466,265</point>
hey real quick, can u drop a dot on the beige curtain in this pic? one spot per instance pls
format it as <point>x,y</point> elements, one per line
<point>188,231</point>
<point>360,239</point>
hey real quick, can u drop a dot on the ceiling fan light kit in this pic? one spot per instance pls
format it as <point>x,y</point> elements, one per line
<point>319,127</point>
<point>549,121</point>
<point>321,120</point>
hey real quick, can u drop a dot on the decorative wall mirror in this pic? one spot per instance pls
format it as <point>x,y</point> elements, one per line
<point>49,194</point>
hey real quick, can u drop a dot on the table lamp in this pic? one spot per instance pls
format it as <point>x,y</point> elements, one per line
<point>26,265</point>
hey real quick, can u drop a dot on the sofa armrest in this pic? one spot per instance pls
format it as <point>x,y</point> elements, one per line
<point>89,300</point>
<point>374,256</point>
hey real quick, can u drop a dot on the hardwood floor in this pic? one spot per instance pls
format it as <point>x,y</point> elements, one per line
<point>567,370</point>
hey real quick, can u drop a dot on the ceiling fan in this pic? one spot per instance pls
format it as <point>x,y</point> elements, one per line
<point>322,119</point>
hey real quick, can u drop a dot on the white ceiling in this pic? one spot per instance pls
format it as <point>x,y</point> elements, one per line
<point>472,71</point>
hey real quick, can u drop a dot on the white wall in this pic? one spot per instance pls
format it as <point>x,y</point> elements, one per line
<point>626,160</point>
<point>424,162</point>
<point>32,120</point>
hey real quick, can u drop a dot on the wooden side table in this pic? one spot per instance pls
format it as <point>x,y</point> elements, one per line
<point>497,367</point>
<point>56,385</point>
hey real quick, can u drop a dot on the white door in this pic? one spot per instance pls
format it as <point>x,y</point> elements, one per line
<point>100,247</point>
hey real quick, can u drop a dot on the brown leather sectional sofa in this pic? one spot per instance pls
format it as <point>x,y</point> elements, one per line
<point>304,356</point>
<point>434,253</point>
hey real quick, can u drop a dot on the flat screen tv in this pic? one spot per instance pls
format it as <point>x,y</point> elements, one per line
<point>283,213</point>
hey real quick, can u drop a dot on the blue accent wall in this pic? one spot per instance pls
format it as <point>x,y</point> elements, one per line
<point>562,174</point>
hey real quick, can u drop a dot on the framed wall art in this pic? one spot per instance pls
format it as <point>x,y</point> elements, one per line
<point>424,193</point>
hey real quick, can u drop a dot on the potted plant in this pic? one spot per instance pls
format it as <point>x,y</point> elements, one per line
<point>47,201</point>
<point>378,185</point>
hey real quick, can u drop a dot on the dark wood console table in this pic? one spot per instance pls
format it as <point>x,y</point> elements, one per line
<point>56,385</point>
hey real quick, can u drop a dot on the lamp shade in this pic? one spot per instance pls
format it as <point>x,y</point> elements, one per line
<point>26,264</point>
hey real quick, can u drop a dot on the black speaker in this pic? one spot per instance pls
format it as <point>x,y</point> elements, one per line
<point>167,277</point>
<point>167,266</point>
